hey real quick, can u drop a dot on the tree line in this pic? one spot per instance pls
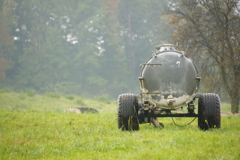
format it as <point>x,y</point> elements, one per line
<point>94,47</point>
<point>87,47</point>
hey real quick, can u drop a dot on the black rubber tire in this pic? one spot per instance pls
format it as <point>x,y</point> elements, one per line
<point>209,111</point>
<point>127,112</point>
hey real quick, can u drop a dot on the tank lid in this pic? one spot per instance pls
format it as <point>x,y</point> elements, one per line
<point>166,47</point>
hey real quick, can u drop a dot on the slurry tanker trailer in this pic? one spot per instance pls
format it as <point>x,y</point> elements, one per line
<point>169,81</point>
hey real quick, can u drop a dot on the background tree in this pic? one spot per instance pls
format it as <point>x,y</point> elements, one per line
<point>87,47</point>
<point>85,28</point>
<point>7,19</point>
<point>41,47</point>
<point>209,31</point>
<point>113,59</point>
<point>142,30</point>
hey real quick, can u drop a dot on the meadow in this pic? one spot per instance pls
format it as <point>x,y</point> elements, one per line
<point>34,127</point>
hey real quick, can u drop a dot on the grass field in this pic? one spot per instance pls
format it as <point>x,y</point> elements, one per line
<point>35,127</point>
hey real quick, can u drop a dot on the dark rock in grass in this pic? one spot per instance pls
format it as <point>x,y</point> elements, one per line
<point>80,110</point>
<point>87,110</point>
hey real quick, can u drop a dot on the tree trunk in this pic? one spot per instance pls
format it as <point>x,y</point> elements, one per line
<point>132,52</point>
<point>234,100</point>
<point>232,90</point>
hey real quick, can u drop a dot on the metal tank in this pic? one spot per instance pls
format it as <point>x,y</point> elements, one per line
<point>169,81</point>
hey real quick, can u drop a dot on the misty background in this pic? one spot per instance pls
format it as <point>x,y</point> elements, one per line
<point>87,47</point>
<point>94,47</point>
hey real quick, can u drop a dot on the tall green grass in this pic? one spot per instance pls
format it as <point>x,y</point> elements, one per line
<point>36,128</point>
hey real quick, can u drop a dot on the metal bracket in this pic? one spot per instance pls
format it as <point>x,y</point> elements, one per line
<point>169,115</point>
<point>149,64</point>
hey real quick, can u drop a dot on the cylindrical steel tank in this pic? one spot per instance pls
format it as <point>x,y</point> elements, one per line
<point>169,79</point>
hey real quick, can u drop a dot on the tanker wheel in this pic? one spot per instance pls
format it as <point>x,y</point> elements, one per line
<point>127,112</point>
<point>209,111</point>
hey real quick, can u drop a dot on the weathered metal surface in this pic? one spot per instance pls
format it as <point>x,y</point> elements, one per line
<point>173,82</point>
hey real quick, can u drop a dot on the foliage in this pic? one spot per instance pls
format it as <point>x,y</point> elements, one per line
<point>102,99</point>
<point>81,102</point>
<point>70,97</point>
<point>4,91</point>
<point>85,47</point>
<point>22,96</point>
<point>30,93</point>
<point>37,128</point>
<point>50,102</point>
<point>52,95</point>
<point>208,31</point>
<point>6,40</point>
